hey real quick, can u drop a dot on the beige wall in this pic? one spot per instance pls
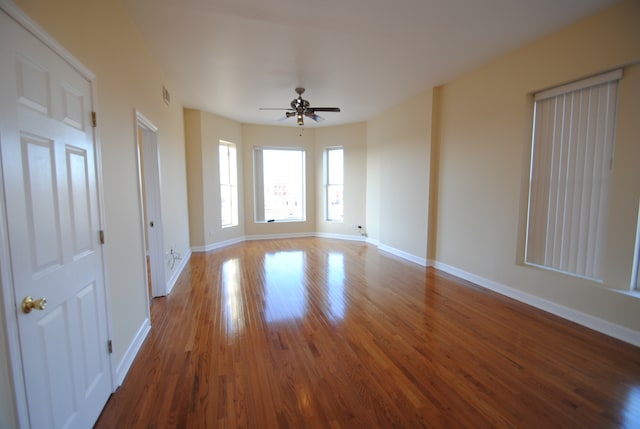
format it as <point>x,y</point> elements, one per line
<point>398,175</point>
<point>102,37</point>
<point>353,139</point>
<point>193,142</point>
<point>485,134</point>
<point>203,132</point>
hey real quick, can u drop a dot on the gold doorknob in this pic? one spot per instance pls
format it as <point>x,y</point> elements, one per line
<point>29,304</point>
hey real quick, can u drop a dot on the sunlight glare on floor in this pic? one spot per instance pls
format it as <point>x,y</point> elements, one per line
<point>335,275</point>
<point>232,308</point>
<point>285,293</point>
<point>631,411</point>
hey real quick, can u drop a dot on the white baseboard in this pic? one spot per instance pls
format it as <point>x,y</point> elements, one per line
<point>221,244</point>
<point>218,245</point>
<point>341,236</point>
<point>613,330</point>
<point>178,271</point>
<point>402,254</point>
<point>132,351</point>
<point>373,241</point>
<point>280,236</point>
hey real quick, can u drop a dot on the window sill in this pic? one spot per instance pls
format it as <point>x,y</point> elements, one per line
<point>262,222</point>
<point>632,293</point>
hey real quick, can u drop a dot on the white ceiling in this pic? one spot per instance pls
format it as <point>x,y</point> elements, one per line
<point>231,57</point>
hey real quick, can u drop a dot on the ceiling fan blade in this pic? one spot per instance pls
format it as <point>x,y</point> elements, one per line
<point>325,109</point>
<point>311,114</point>
<point>286,116</point>
<point>301,108</point>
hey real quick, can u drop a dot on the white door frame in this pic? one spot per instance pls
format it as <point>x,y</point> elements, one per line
<point>9,312</point>
<point>149,175</point>
<point>635,273</point>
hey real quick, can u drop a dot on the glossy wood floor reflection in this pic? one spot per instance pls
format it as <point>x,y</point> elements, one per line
<point>317,333</point>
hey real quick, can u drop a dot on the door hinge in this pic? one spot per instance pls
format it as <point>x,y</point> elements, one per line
<point>94,119</point>
<point>110,346</point>
<point>101,233</point>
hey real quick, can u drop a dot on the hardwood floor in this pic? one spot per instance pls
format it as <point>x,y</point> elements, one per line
<point>318,333</point>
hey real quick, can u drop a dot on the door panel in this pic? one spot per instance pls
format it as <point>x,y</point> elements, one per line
<point>79,200</point>
<point>54,335</point>
<point>33,85</point>
<point>40,192</point>
<point>51,203</point>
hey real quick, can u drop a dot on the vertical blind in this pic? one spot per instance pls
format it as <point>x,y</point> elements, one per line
<point>570,177</point>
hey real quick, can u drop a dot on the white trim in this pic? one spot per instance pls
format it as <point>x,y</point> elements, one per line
<point>259,215</point>
<point>30,25</point>
<point>635,275</point>
<point>230,242</point>
<point>143,120</point>
<point>150,190</point>
<point>617,331</point>
<point>132,351</point>
<point>103,225</point>
<point>404,255</point>
<point>579,84</point>
<point>373,241</point>
<point>176,273</point>
<point>218,245</point>
<point>341,236</point>
<point>279,236</point>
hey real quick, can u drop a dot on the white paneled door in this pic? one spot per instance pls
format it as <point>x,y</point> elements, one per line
<point>52,219</point>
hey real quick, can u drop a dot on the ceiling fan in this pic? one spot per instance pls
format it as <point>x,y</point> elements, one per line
<point>301,108</point>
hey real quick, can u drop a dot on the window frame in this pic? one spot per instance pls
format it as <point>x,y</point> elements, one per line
<point>231,184</point>
<point>259,186</point>
<point>572,175</point>
<point>328,184</point>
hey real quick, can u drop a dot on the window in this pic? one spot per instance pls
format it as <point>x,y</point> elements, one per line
<point>228,184</point>
<point>279,184</point>
<point>570,177</point>
<point>334,184</point>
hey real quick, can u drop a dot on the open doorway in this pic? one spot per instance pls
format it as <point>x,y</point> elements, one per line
<point>149,179</point>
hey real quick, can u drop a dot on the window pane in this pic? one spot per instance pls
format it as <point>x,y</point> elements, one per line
<point>226,206</point>
<point>228,188</point>
<point>282,185</point>
<point>335,203</point>
<point>335,166</point>
<point>224,163</point>
<point>334,176</point>
<point>233,166</point>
